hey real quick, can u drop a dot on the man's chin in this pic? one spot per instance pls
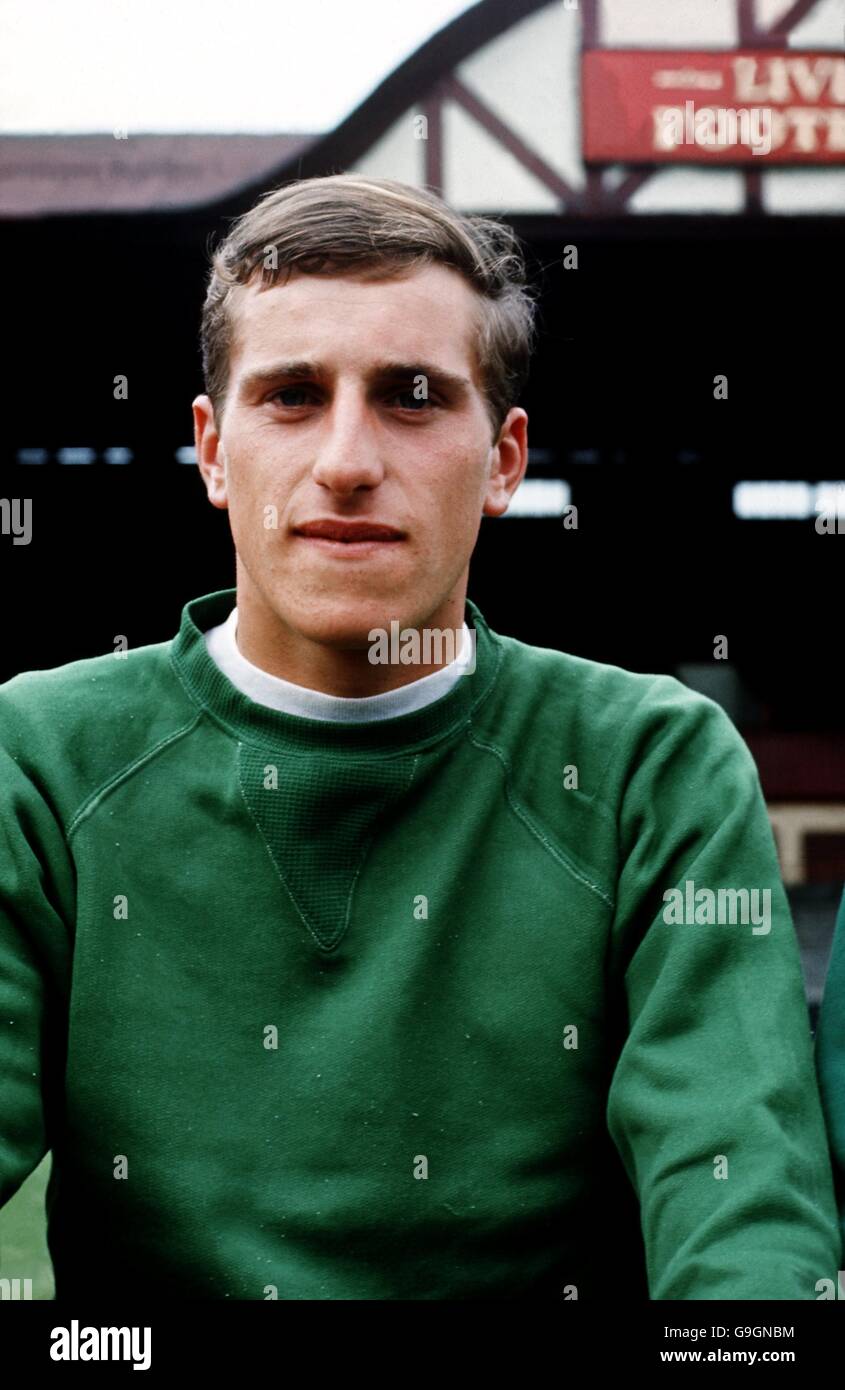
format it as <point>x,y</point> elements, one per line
<point>345,625</point>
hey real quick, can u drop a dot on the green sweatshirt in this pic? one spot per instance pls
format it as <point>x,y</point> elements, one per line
<point>311,1010</point>
<point>830,1057</point>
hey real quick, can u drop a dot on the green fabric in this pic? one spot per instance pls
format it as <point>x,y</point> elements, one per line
<point>830,1056</point>
<point>431,914</point>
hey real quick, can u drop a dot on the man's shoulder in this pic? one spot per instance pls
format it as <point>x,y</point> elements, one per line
<point>117,678</point>
<point>600,696</point>
<point>88,717</point>
<point>565,720</point>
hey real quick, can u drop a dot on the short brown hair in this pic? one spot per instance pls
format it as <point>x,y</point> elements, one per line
<point>327,225</point>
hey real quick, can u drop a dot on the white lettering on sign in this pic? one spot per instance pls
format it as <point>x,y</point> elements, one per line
<point>784,79</point>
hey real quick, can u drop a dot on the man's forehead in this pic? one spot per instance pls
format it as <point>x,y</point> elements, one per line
<point>429,312</point>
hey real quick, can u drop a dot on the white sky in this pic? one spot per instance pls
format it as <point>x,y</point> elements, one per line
<point>201,65</point>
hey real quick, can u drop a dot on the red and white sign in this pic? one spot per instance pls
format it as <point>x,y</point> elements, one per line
<point>744,106</point>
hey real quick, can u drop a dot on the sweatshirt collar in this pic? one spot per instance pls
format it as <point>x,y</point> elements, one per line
<point>254,723</point>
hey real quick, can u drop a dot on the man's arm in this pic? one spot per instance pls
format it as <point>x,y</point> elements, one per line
<point>714,1105</point>
<point>36,889</point>
<point>830,1057</point>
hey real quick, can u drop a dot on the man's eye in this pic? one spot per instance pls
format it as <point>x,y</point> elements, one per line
<point>408,399</point>
<point>287,391</point>
<point>413,400</point>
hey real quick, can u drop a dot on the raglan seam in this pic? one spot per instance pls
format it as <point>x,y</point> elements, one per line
<point>94,798</point>
<point>596,800</point>
<point>522,813</point>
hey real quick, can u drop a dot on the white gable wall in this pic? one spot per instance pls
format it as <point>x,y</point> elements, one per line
<point>479,175</point>
<point>529,77</point>
<point>668,23</point>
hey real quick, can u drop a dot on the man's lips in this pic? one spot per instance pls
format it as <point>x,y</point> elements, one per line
<point>347,532</point>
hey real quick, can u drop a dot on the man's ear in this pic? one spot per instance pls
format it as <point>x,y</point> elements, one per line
<point>509,460</point>
<point>211,457</point>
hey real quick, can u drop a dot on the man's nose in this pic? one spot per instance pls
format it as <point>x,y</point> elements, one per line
<point>348,454</point>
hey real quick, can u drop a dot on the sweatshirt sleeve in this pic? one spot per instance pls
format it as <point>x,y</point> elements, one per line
<point>713,1105</point>
<point>36,890</point>
<point>830,1058</point>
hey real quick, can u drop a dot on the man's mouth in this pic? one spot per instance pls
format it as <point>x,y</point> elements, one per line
<point>348,534</point>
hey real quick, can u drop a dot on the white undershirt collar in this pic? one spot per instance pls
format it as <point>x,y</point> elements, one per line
<point>289,698</point>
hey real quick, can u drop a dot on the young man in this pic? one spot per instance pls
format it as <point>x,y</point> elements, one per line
<point>326,977</point>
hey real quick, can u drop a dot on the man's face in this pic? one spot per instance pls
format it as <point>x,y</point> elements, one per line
<point>348,435</point>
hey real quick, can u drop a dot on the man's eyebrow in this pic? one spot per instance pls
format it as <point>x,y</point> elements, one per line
<point>264,376</point>
<point>382,371</point>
